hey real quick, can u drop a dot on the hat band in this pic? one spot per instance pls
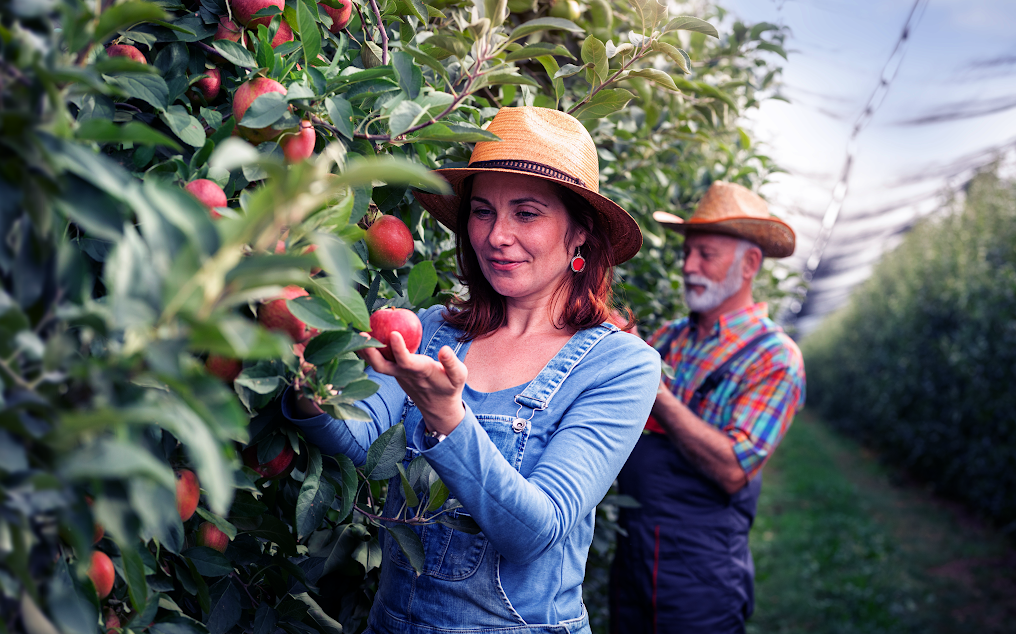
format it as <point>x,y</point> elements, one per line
<point>527,166</point>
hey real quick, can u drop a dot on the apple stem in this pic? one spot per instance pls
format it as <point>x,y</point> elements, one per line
<point>384,32</point>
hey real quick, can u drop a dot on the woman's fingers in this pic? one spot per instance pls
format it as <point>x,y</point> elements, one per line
<point>454,369</point>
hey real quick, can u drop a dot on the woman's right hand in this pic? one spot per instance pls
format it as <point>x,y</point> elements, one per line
<point>435,386</point>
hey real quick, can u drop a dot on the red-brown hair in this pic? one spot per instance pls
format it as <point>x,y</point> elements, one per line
<point>590,296</point>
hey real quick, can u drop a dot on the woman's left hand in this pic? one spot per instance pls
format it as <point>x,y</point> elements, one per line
<point>434,386</point>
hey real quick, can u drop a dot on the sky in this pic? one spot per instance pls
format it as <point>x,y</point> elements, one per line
<point>960,57</point>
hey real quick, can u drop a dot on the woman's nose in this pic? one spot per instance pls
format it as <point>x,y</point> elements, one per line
<point>501,232</point>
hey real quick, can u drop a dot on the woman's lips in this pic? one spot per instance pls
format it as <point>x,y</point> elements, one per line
<point>504,265</point>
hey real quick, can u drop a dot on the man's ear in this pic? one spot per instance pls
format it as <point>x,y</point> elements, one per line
<point>752,262</point>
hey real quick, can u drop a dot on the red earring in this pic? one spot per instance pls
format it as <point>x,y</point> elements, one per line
<point>578,262</point>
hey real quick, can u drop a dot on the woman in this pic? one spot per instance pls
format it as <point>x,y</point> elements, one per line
<point>555,400</point>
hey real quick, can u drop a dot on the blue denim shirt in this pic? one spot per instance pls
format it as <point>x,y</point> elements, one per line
<point>537,514</point>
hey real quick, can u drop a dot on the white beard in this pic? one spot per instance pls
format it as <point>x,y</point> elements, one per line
<point>715,293</point>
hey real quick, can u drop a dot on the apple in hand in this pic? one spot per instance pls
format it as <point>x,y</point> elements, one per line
<point>209,193</point>
<point>126,50</point>
<point>209,535</point>
<point>340,16</point>
<point>100,571</point>
<point>187,493</point>
<point>389,243</point>
<point>388,320</point>
<point>278,466</point>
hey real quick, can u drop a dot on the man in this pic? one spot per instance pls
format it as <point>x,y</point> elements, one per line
<point>737,382</point>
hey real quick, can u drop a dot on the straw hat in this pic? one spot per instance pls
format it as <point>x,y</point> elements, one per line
<point>547,144</point>
<point>733,210</point>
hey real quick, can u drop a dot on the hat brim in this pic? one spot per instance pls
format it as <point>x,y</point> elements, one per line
<point>624,233</point>
<point>772,235</point>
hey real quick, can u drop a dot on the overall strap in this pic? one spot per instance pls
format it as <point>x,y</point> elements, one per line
<point>719,374</point>
<point>540,390</point>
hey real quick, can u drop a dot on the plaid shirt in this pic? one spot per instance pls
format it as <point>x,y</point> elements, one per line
<point>757,401</point>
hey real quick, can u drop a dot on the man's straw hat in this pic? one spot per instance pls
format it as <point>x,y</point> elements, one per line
<point>733,210</point>
<point>547,144</point>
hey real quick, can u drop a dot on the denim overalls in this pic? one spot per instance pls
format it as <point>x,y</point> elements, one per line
<point>459,588</point>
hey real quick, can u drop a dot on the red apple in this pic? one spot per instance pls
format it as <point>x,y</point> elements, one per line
<point>299,146</point>
<point>277,467</point>
<point>225,368</point>
<point>126,50</point>
<point>100,571</point>
<point>275,315</point>
<point>340,17</point>
<point>243,10</point>
<point>110,620</point>
<point>209,535</point>
<point>209,86</point>
<point>228,30</point>
<point>388,320</point>
<point>389,243</point>
<point>283,35</point>
<point>187,493</point>
<point>245,96</point>
<point>209,193</point>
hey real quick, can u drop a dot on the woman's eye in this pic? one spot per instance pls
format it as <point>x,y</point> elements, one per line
<point>526,214</point>
<point>482,212</point>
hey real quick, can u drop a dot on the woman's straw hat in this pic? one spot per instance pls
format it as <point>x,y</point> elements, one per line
<point>731,209</point>
<point>547,144</point>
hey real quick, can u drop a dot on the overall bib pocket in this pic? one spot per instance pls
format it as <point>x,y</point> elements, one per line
<point>452,554</point>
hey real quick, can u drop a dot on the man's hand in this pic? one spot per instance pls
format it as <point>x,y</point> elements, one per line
<point>435,386</point>
<point>708,448</point>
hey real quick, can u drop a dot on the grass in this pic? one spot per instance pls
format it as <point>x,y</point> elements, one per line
<point>842,548</point>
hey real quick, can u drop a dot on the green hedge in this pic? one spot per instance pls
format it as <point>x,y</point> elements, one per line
<point>921,364</point>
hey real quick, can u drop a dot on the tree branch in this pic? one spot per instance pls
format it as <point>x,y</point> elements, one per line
<point>384,32</point>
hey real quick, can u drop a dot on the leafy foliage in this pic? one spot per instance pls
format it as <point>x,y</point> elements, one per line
<point>129,341</point>
<point>921,363</point>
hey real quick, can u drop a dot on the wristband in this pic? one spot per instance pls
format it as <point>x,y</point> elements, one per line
<point>437,436</point>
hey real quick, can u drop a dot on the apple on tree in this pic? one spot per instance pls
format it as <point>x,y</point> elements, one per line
<point>245,96</point>
<point>101,572</point>
<point>209,535</point>
<point>405,322</point>
<point>340,11</point>
<point>389,243</point>
<point>224,368</point>
<point>229,30</point>
<point>300,145</point>
<point>110,620</point>
<point>209,86</point>
<point>126,50</point>
<point>244,10</point>
<point>187,493</point>
<point>277,467</point>
<point>209,193</point>
<point>275,315</point>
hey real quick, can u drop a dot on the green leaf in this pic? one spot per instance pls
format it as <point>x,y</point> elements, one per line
<point>538,49</point>
<point>221,524</point>
<point>116,460</point>
<point>134,569</point>
<point>773,48</point>
<point>325,347</point>
<point>412,500</point>
<point>674,53</point>
<point>149,88</point>
<point>604,103</point>
<point>550,66</point>
<point>386,453</point>
<point>235,53</point>
<point>359,390</point>
<point>688,23</point>
<point>744,139</point>
<point>184,125</point>
<point>410,543</point>
<point>266,110</point>
<point>543,24</point>
<point>761,28</point>
<point>265,619</point>
<point>121,16</point>
<point>438,495</point>
<point>177,624</point>
<point>314,312</point>
<point>421,283</point>
<point>310,35</point>
<point>393,171</point>
<point>209,562</point>
<point>595,53</point>
<point>404,116</point>
<point>315,496</point>
<point>341,113</point>
<point>570,69</point>
<point>345,477</point>
<point>325,623</point>
<point>408,73</point>
<point>104,131</point>
<point>461,132</point>
<point>462,523</point>
<point>342,411</point>
<point>225,609</point>
<point>654,75</point>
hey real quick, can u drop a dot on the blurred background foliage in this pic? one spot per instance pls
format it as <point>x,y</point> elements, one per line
<point>920,365</point>
<point>124,296</point>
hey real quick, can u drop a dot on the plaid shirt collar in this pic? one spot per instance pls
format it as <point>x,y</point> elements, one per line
<point>733,326</point>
